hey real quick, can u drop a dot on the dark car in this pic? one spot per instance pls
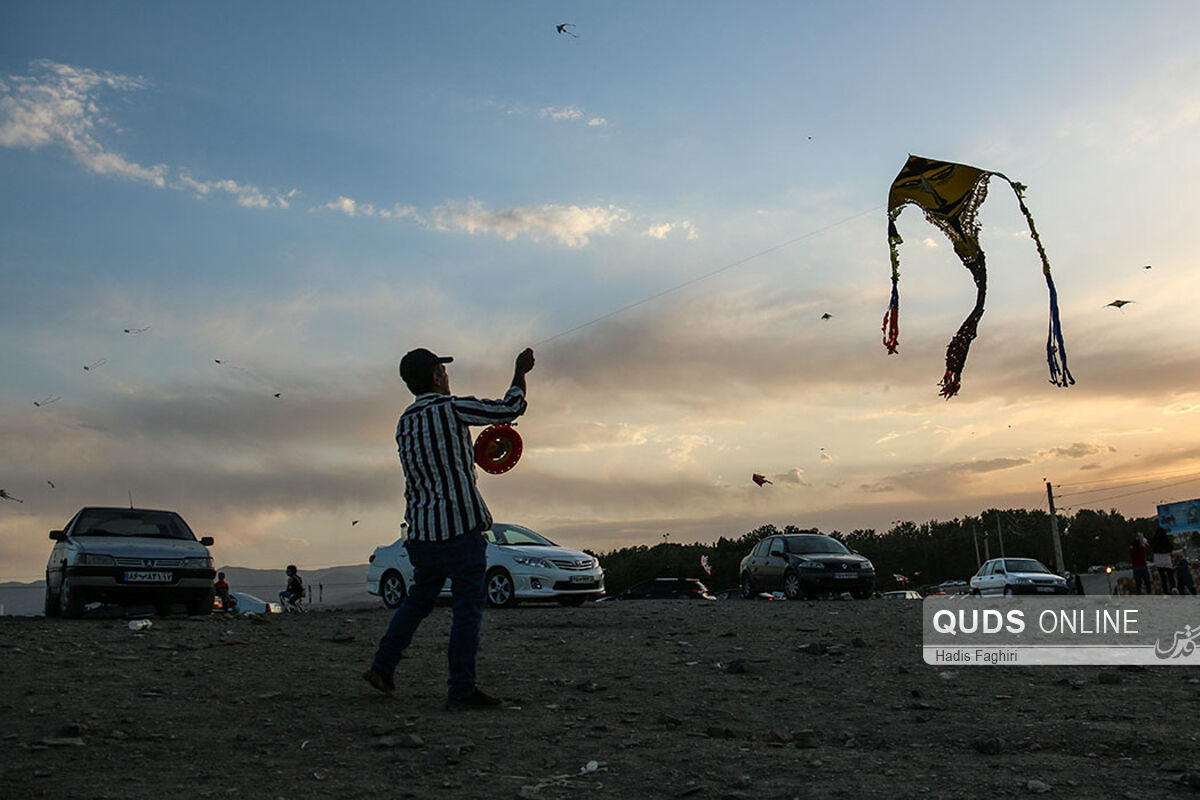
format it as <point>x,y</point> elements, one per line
<point>128,556</point>
<point>667,589</point>
<point>804,565</point>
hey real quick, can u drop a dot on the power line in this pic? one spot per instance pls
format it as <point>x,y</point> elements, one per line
<point>706,276</point>
<point>1142,491</point>
<point>1120,480</point>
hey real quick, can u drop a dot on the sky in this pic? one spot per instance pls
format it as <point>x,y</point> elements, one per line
<point>663,205</point>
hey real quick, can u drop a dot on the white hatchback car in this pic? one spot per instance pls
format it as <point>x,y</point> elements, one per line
<point>521,565</point>
<point>1009,576</point>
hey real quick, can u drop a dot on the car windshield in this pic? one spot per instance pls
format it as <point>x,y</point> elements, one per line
<point>131,522</point>
<point>1023,565</point>
<point>516,535</point>
<point>803,545</point>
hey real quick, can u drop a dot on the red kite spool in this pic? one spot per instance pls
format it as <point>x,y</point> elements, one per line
<point>497,449</point>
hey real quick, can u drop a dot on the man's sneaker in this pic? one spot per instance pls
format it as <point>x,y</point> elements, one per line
<point>380,682</point>
<point>475,699</point>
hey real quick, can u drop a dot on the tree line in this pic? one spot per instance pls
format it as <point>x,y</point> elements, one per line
<point>929,553</point>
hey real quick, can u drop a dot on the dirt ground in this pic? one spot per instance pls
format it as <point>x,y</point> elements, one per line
<point>638,699</point>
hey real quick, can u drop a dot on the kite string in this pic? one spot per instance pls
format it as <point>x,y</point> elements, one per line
<point>706,275</point>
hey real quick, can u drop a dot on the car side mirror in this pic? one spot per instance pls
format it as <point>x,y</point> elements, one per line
<point>58,536</point>
<point>207,541</point>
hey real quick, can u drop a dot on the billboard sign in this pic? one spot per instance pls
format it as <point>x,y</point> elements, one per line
<point>1181,517</point>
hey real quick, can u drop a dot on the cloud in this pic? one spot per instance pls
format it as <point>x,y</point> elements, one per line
<point>1166,102</point>
<point>794,476</point>
<point>1077,450</point>
<point>353,208</point>
<point>566,113</point>
<point>660,232</point>
<point>568,225</point>
<point>58,105</point>
<point>246,196</point>
<point>597,122</point>
<point>943,479</point>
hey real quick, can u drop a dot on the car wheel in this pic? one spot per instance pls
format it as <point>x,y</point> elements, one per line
<point>200,605</point>
<point>571,601</point>
<point>748,591</point>
<point>860,594</point>
<point>500,590</point>
<point>392,588</point>
<point>975,593</point>
<point>1008,592</point>
<point>51,600</point>
<point>792,588</point>
<point>70,599</point>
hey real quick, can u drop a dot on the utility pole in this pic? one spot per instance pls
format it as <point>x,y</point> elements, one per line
<point>1000,533</point>
<point>1058,556</point>
<point>975,537</point>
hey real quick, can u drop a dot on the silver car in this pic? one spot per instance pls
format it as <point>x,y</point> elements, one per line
<point>128,556</point>
<point>1009,576</point>
<point>521,565</point>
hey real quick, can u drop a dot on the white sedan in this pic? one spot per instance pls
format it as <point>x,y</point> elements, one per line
<point>1009,576</point>
<point>521,565</point>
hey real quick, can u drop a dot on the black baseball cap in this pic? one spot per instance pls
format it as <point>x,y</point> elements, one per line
<point>416,364</point>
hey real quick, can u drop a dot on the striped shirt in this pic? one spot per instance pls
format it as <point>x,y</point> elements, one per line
<point>434,438</point>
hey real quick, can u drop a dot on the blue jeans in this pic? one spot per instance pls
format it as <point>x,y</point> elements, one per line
<point>1141,575</point>
<point>463,560</point>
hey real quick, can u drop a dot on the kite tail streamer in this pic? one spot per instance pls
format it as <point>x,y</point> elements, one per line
<point>1056,349</point>
<point>891,319</point>
<point>956,351</point>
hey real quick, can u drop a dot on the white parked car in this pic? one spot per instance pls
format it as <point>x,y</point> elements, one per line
<point>521,565</point>
<point>1009,576</point>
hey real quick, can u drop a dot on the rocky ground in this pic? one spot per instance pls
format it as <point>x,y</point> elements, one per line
<point>650,699</point>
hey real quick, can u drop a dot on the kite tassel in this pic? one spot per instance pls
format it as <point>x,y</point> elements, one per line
<point>1056,349</point>
<point>891,322</point>
<point>951,382</point>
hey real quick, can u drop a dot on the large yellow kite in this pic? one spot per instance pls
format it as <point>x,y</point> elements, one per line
<point>950,195</point>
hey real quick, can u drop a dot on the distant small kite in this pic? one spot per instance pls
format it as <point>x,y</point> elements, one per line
<point>353,523</point>
<point>253,376</point>
<point>6,496</point>
<point>1148,266</point>
<point>950,195</point>
<point>95,364</point>
<point>761,479</point>
<point>45,401</point>
<point>137,330</point>
<point>899,578</point>
<point>827,316</point>
<point>1118,303</point>
<point>563,28</point>
<point>52,486</point>
<point>705,565</point>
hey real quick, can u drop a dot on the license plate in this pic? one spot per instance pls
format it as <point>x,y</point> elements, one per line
<point>148,577</point>
<point>1045,588</point>
<point>845,575</point>
<point>581,579</point>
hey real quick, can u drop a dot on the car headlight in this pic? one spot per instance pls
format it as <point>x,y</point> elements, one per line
<point>867,566</point>
<point>1024,580</point>
<point>811,565</point>
<point>95,560</point>
<point>532,561</point>
<point>197,562</point>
